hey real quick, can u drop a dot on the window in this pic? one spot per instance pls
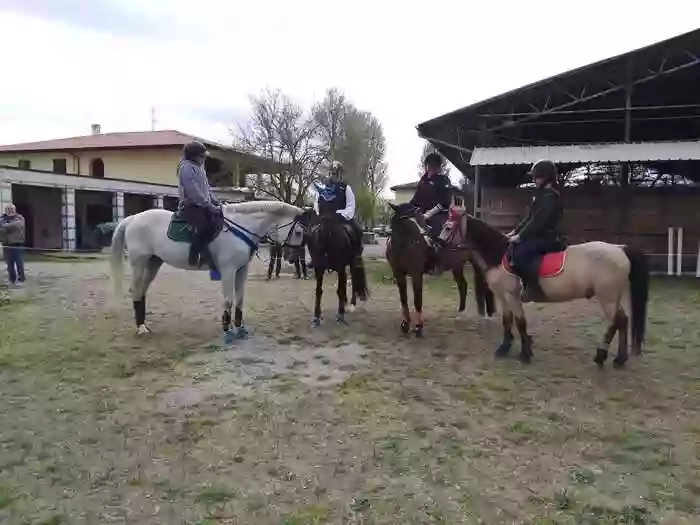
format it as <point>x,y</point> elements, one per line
<point>24,164</point>
<point>97,168</point>
<point>59,166</point>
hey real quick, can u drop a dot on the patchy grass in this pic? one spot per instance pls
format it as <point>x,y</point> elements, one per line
<point>434,431</point>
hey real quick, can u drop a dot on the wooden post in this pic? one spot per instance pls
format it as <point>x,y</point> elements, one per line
<point>669,270</point>
<point>697,264</point>
<point>477,189</point>
<point>679,253</point>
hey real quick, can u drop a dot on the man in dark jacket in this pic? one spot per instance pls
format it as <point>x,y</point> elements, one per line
<point>337,199</point>
<point>432,198</point>
<point>12,236</point>
<point>538,233</point>
<point>197,204</point>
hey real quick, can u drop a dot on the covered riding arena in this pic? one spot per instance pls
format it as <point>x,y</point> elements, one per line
<point>625,133</point>
<point>341,424</point>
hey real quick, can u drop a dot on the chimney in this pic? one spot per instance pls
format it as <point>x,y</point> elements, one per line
<point>96,129</point>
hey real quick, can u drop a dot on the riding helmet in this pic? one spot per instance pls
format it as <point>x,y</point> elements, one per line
<point>194,149</point>
<point>433,159</point>
<point>544,169</point>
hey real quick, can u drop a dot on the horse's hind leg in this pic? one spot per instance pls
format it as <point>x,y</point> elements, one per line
<point>622,322</point>
<point>241,276</point>
<point>513,304</point>
<point>615,317</point>
<point>507,343</point>
<point>228,288</point>
<point>142,277</point>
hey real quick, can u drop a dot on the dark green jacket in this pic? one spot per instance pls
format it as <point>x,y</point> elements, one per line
<point>543,217</point>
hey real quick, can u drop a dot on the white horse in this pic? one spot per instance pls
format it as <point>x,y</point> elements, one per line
<point>246,224</point>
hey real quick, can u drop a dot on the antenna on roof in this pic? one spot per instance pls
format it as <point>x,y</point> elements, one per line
<point>153,118</point>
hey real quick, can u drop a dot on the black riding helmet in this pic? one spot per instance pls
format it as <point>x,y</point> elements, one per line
<point>194,149</point>
<point>545,170</point>
<point>433,160</point>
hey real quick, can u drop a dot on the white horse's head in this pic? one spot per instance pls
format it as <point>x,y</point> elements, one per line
<point>282,223</point>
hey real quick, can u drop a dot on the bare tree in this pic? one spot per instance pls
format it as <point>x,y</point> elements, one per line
<point>330,115</point>
<point>281,132</point>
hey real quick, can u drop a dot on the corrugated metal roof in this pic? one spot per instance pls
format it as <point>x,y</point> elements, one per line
<point>584,153</point>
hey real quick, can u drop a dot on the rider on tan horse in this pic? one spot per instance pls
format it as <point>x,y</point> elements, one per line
<point>432,198</point>
<point>538,233</point>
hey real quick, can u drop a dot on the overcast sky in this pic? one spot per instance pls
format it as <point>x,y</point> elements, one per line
<point>69,63</point>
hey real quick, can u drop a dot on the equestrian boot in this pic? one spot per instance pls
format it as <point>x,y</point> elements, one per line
<point>532,291</point>
<point>193,259</point>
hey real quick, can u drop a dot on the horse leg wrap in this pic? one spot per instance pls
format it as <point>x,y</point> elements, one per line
<point>140,311</point>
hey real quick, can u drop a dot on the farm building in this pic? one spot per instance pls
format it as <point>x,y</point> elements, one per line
<point>625,133</point>
<point>65,187</point>
<point>404,193</point>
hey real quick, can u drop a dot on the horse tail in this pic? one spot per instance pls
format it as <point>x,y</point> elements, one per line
<point>117,258</point>
<point>359,279</point>
<point>639,295</point>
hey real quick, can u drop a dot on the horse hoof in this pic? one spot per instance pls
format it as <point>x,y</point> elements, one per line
<point>241,333</point>
<point>405,326</point>
<point>619,362</point>
<point>418,331</point>
<point>316,321</point>
<point>352,308</point>
<point>502,351</point>
<point>525,359</point>
<point>601,355</point>
<point>142,329</point>
<point>229,337</point>
<point>340,319</point>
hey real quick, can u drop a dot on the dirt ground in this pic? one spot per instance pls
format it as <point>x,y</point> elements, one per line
<point>339,424</point>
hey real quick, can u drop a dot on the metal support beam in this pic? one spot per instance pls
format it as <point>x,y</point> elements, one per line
<point>477,191</point>
<point>582,97</point>
<point>444,143</point>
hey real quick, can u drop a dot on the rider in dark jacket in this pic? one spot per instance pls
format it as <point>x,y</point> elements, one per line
<point>539,232</point>
<point>197,204</point>
<point>432,198</point>
<point>337,199</point>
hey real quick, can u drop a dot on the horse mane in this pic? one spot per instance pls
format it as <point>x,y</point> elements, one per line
<point>490,242</point>
<point>273,207</point>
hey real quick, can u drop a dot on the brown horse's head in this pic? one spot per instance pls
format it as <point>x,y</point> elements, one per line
<point>487,241</point>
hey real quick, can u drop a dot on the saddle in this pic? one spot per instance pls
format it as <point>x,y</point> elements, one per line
<point>179,230</point>
<point>549,264</point>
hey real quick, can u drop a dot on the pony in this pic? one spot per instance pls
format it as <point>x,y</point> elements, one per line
<point>407,252</point>
<point>331,248</point>
<point>591,269</point>
<point>158,236</point>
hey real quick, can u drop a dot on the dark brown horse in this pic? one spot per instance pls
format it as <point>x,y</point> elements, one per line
<point>331,248</point>
<point>408,250</point>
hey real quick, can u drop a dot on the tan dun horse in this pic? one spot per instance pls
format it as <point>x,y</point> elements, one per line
<point>408,250</point>
<point>592,269</point>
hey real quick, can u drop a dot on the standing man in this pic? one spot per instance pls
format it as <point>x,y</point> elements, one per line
<point>12,235</point>
<point>197,204</point>
<point>275,256</point>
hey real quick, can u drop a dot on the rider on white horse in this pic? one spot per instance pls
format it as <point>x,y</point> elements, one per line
<point>336,197</point>
<point>197,204</point>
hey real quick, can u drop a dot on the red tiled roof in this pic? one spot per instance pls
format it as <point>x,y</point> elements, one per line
<point>132,139</point>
